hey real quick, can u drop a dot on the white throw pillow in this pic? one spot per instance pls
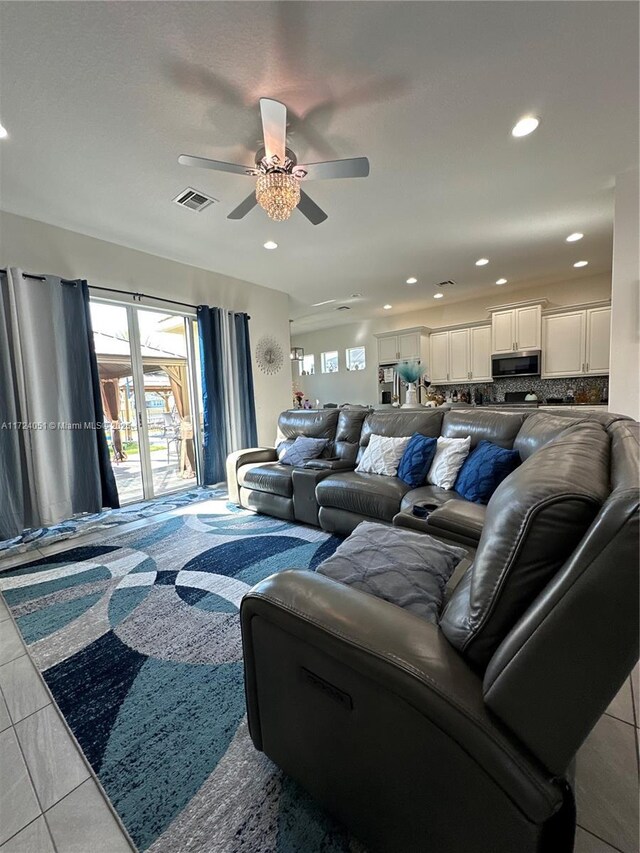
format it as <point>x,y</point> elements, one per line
<point>450,454</point>
<point>382,455</point>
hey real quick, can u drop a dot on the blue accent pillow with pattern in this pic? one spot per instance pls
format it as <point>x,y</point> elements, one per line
<point>303,449</point>
<point>416,459</point>
<point>483,471</point>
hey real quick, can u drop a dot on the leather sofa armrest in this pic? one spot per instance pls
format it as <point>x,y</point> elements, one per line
<point>333,464</point>
<point>458,520</point>
<point>245,457</point>
<point>399,652</point>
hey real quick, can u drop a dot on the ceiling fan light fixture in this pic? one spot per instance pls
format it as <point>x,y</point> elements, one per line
<point>278,194</point>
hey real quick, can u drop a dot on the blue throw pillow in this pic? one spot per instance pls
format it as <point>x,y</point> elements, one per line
<point>303,449</point>
<point>483,471</point>
<point>416,459</point>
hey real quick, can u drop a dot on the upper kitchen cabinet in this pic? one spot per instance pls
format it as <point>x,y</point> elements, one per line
<point>563,343</point>
<point>515,328</point>
<point>480,354</point>
<point>439,361</point>
<point>404,345</point>
<point>409,345</point>
<point>598,340</point>
<point>388,349</point>
<point>503,333</point>
<point>461,355</point>
<point>576,342</point>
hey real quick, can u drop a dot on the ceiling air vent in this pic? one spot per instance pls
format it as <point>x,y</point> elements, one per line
<point>343,308</point>
<point>446,283</point>
<point>194,199</point>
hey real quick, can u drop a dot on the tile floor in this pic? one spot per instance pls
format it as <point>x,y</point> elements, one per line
<point>50,801</point>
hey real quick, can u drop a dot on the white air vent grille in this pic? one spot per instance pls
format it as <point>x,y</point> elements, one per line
<point>194,199</point>
<point>446,283</point>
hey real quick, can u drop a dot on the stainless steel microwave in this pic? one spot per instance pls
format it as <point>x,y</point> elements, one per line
<point>524,363</point>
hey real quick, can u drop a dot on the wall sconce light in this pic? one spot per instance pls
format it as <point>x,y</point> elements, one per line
<point>296,354</point>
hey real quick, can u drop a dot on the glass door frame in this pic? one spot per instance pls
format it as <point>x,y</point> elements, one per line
<point>135,352</point>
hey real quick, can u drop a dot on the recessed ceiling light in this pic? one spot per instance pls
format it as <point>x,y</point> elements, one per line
<point>581,263</point>
<point>326,302</point>
<point>525,126</point>
<point>412,280</point>
<point>386,307</point>
<point>501,281</point>
<point>270,245</point>
<point>482,262</point>
<point>3,132</point>
<point>438,295</point>
<point>575,236</point>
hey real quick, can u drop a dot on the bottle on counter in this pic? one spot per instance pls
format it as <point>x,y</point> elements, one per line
<point>454,398</point>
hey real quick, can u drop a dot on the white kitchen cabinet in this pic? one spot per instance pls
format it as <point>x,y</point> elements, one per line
<point>528,327</point>
<point>576,343</point>
<point>598,344</point>
<point>563,344</point>
<point>516,329</point>
<point>480,355</point>
<point>461,355</point>
<point>405,345</point>
<point>439,366</point>
<point>503,331</point>
<point>409,345</point>
<point>387,350</point>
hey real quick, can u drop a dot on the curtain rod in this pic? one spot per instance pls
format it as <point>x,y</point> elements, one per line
<point>43,277</point>
<point>137,297</point>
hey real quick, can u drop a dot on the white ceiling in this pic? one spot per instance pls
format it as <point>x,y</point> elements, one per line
<point>100,98</point>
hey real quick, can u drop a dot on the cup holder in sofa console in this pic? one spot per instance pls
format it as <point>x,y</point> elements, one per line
<point>423,509</point>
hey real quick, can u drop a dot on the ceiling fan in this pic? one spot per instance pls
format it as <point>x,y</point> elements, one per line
<point>279,176</point>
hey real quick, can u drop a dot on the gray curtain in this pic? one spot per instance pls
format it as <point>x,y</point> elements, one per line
<point>227,388</point>
<point>50,452</point>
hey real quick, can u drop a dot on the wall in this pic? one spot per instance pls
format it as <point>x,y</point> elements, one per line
<point>362,386</point>
<point>342,387</point>
<point>624,391</point>
<point>40,248</point>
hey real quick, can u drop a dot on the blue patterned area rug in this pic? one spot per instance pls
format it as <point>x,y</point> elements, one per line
<point>81,525</point>
<point>138,639</point>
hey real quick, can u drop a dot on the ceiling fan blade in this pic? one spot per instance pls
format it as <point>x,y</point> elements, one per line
<point>357,167</point>
<point>217,165</point>
<point>244,207</point>
<point>310,209</point>
<point>274,128</point>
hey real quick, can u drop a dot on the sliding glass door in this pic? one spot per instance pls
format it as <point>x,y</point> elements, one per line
<point>148,374</point>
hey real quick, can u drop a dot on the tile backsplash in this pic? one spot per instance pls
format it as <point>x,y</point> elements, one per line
<point>544,388</point>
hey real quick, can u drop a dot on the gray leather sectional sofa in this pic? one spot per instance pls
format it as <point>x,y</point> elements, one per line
<point>329,493</point>
<point>459,736</point>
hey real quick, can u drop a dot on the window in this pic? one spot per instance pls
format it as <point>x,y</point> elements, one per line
<point>307,365</point>
<point>329,361</point>
<point>355,358</point>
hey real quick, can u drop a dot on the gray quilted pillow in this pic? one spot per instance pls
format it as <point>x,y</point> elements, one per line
<point>303,449</point>
<point>406,568</point>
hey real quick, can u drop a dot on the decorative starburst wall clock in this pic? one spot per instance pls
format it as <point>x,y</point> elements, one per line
<point>269,355</point>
